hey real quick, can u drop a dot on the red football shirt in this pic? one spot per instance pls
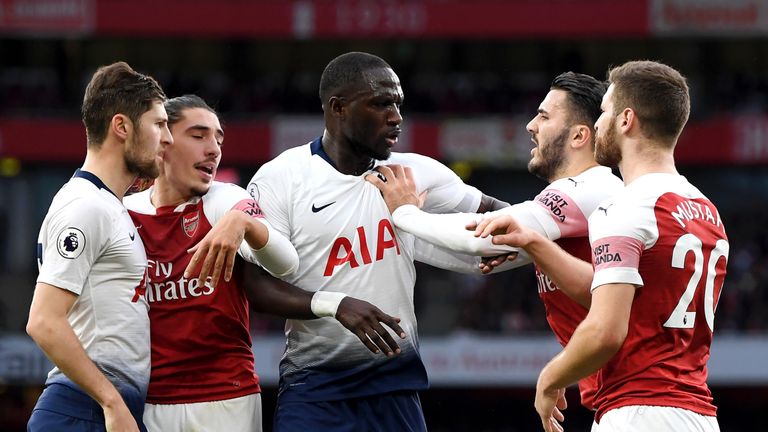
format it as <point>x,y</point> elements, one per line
<point>664,236</point>
<point>201,343</point>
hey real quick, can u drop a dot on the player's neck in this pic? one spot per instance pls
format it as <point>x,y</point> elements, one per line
<point>109,167</point>
<point>573,166</point>
<point>346,160</point>
<point>164,194</point>
<point>646,161</point>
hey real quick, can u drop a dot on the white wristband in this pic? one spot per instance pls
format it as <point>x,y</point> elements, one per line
<point>326,303</point>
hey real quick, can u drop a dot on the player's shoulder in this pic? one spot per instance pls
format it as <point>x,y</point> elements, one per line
<point>140,202</point>
<point>425,169</point>
<point>79,196</point>
<point>598,178</point>
<point>632,205</point>
<point>218,188</point>
<point>409,159</point>
<point>292,157</point>
<point>88,208</point>
<point>225,191</point>
<point>280,170</point>
<point>649,187</point>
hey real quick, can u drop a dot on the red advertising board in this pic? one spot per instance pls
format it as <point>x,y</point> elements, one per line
<point>46,17</point>
<point>498,141</point>
<point>304,19</point>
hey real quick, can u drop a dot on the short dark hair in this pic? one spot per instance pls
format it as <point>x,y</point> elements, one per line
<point>657,93</point>
<point>585,94</point>
<point>176,106</point>
<point>347,70</point>
<point>116,89</point>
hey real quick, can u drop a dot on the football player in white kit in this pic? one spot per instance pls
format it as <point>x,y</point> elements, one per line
<point>88,313</point>
<point>659,254</point>
<point>317,196</point>
<point>563,135</point>
<point>203,375</point>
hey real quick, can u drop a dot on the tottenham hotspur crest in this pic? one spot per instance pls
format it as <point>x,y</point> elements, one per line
<point>70,243</point>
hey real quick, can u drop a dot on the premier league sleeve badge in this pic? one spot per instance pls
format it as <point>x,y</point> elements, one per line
<point>70,243</point>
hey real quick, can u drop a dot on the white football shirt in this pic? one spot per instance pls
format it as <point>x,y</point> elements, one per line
<point>343,232</point>
<point>89,246</point>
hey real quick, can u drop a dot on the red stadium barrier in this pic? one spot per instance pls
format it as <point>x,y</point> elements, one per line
<point>497,141</point>
<point>327,19</point>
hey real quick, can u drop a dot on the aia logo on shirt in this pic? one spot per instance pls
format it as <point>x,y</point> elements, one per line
<point>343,252</point>
<point>190,222</point>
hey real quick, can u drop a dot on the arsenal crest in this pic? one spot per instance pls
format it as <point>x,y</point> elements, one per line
<point>190,222</point>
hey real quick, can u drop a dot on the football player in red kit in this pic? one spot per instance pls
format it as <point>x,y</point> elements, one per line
<point>659,252</point>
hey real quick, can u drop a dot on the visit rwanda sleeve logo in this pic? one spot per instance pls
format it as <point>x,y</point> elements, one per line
<point>70,243</point>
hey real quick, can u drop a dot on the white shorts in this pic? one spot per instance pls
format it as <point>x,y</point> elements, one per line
<point>643,418</point>
<point>241,414</point>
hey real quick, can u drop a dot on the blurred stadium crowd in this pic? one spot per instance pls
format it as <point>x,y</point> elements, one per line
<point>45,77</point>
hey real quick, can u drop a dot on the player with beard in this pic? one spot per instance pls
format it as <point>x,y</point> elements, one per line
<point>564,156</point>
<point>88,313</point>
<point>317,196</point>
<point>203,375</point>
<point>659,254</point>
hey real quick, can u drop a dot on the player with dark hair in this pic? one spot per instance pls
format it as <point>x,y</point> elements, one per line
<point>659,254</point>
<point>563,154</point>
<point>317,196</point>
<point>88,313</point>
<point>203,375</point>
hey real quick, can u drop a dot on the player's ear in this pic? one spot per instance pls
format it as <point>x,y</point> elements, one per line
<point>627,119</point>
<point>121,126</point>
<point>337,104</point>
<point>581,135</point>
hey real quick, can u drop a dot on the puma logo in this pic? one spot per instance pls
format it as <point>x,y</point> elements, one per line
<point>605,209</point>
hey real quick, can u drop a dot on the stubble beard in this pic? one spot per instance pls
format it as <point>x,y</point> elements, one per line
<point>607,151</point>
<point>371,152</point>
<point>551,158</point>
<point>142,168</point>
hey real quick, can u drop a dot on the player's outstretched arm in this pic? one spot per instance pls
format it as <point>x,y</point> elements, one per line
<point>572,275</point>
<point>218,248</point>
<point>443,230</point>
<point>49,328</point>
<point>365,320</point>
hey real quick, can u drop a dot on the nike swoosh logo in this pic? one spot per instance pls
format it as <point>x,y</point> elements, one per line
<point>132,236</point>
<point>317,209</point>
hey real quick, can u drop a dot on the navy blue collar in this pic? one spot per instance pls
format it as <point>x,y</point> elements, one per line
<point>316,147</point>
<point>93,179</point>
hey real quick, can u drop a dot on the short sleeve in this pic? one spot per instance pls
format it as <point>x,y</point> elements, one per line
<point>72,239</point>
<point>225,197</point>
<point>269,188</point>
<point>618,235</point>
